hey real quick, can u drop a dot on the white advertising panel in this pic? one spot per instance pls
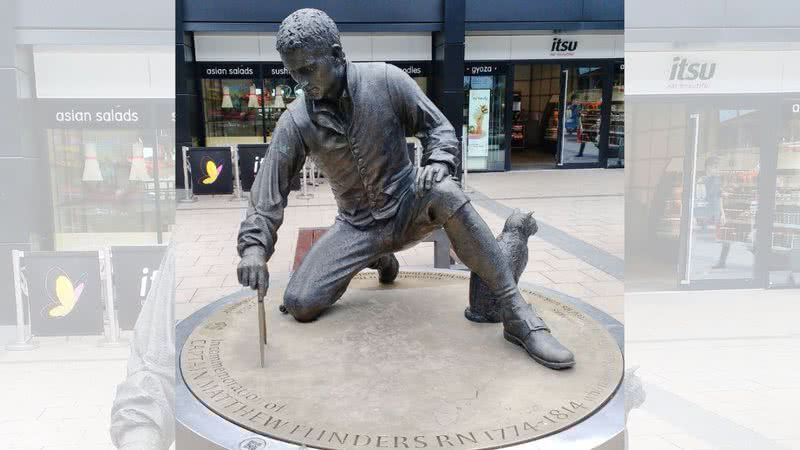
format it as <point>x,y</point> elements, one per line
<point>478,130</point>
<point>712,72</point>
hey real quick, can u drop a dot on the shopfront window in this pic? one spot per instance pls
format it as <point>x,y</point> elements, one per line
<point>724,203</point>
<point>616,131</point>
<point>484,117</point>
<point>580,129</point>
<point>279,91</point>
<point>785,240</point>
<point>534,129</point>
<point>232,99</point>
<point>111,186</point>
<point>243,102</point>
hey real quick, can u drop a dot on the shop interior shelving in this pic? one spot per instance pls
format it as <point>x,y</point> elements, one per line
<point>590,122</point>
<point>551,129</point>
<point>786,226</point>
<point>616,132</point>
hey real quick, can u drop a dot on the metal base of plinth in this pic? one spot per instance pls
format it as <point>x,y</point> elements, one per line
<point>191,199</point>
<point>396,366</point>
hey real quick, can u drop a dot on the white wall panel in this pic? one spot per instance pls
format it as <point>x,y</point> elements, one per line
<point>487,47</point>
<point>357,47</point>
<point>227,47</point>
<point>619,46</point>
<point>650,73</point>
<point>162,74</point>
<point>401,47</point>
<point>267,44</point>
<point>94,72</point>
<point>522,47</point>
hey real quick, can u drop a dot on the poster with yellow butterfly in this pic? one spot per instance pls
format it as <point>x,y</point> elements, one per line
<point>64,292</point>
<point>211,170</point>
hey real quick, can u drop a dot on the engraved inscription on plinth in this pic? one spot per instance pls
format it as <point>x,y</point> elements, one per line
<point>397,367</point>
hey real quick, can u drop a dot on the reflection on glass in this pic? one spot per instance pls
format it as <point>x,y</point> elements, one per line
<point>581,125</point>
<point>279,92</point>
<point>107,182</point>
<point>725,197</point>
<point>232,112</point>
<point>785,240</point>
<point>616,132</point>
<point>422,82</point>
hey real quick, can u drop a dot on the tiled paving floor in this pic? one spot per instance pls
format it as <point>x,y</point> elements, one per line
<point>719,369</point>
<point>60,396</point>
<point>587,204</point>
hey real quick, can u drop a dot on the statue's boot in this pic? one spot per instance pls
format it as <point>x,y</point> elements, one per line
<point>476,246</point>
<point>523,327</point>
<point>387,267</point>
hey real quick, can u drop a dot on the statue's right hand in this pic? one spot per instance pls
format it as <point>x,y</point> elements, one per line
<point>252,270</point>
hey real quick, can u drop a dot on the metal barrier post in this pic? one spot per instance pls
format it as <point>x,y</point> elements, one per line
<point>112,337</point>
<point>464,186</point>
<point>188,197</point>
<point>313,169</point>
<point>24,340</point>
<point>304,194</point>
<point>237,179</point>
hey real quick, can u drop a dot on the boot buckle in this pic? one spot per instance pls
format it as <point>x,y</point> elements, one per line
<point>534,327</point>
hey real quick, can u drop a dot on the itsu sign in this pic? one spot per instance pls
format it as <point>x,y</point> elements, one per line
<point>684,69</point>
<point>563,47</point>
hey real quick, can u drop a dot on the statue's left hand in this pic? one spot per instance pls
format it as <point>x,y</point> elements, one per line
<point>433,172</point>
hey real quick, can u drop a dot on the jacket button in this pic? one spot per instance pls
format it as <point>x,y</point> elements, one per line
<point>360,160</point>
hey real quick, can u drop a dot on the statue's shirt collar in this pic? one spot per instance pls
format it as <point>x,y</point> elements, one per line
<point>337,114</point>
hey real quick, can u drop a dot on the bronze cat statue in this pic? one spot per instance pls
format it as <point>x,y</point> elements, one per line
<point>513,241</point>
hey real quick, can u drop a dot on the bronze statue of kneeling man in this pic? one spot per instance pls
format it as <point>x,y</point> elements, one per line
<point>352,121</point>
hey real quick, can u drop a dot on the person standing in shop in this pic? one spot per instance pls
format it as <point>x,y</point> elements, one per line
<point>712,181</point>
<point>575,124</point>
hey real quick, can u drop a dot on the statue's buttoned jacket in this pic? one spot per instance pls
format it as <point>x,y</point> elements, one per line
<point>360,147</point>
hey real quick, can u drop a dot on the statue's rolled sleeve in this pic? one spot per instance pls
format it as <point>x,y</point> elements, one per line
<point>270,191</point>
<point>422,119</point>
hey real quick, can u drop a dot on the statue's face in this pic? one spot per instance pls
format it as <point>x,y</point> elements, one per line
<point>316,72</point>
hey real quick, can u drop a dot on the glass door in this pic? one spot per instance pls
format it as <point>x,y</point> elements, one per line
<point>581,106</point>
<point>720,197</point>
<point>616,131</point>
<point>784,241</point>
<point>485,116</point>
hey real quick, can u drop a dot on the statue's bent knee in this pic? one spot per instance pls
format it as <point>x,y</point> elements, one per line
<point>301,307</point>
<point>448,188</point>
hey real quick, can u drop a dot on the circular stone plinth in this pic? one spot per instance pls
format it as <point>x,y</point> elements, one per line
<point>397,366</point>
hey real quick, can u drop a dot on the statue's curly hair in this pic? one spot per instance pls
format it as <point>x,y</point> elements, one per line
<point>307,28</point>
